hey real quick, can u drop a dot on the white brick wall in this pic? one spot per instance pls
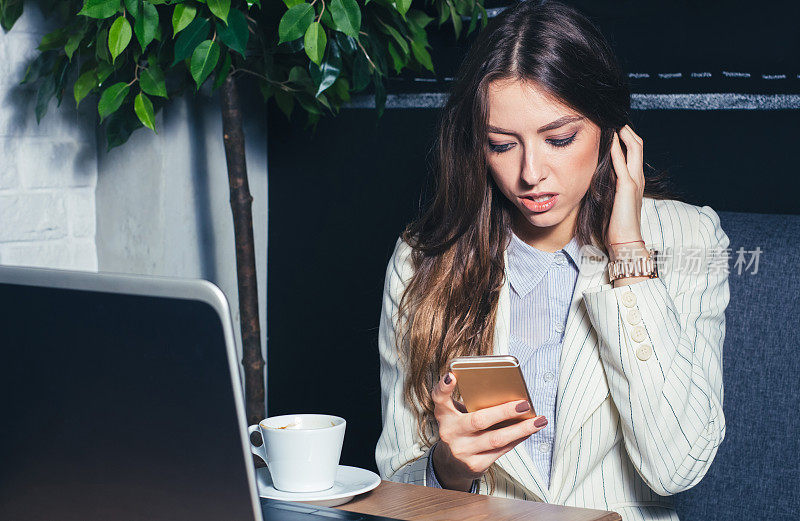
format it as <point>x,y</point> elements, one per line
<point>48,172</point>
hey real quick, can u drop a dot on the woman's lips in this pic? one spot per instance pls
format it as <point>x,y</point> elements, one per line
<point>539,207</point>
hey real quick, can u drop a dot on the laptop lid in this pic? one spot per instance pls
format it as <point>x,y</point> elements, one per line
<point>121,399</point>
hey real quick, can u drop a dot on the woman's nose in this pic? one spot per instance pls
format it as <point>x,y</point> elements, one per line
<point>532,170</point>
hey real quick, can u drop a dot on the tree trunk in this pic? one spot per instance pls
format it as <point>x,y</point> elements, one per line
<point>241,203</point>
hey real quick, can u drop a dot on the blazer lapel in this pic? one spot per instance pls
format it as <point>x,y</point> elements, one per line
<point>582,384</point>
<point>517,462</point>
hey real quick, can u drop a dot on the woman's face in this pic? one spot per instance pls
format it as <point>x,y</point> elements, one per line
<point>539,146</point>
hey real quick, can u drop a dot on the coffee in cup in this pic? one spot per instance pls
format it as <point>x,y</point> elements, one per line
<point>301,451</point>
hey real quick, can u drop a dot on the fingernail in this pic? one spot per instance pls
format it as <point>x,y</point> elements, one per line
<point>522,407</point>
<point>541,421</point>
<point>447,379</point>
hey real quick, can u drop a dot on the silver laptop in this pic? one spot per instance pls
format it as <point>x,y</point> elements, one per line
<point>120,398</point>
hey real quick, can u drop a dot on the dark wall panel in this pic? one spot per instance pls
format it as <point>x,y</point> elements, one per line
<point>339,199</point>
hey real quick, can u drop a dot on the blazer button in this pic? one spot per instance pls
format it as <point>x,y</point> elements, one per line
<point>629,299</point>
<point>634,316</point>
<point>638,333</point>
<point>644,351</point>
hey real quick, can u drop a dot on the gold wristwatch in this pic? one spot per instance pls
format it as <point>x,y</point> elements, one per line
<point>638,267</point>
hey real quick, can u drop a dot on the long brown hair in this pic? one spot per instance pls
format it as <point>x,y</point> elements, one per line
<point>449,306</point>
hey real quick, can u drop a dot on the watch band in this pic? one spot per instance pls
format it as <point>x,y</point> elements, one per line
<point>638,267</point>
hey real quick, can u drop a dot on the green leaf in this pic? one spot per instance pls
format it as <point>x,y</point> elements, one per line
<point>182,16</point>
<point>104,70</point>
<point>53,40</point>
<point>61,78</point>
<point>324,75</point>
<point>151,80</point>
<point>144,109</point>
<point>300,76</point>
<point>47,89</point>
<point>10,11</point>
<point>484,17</point>
<point>204,59</point>
<point>285,102</point>
<point>456,19</point>
<point>220,8</point>
<point>190,38</point>
<point>100,8</point>
<point>377,51</point>
<point>132,6</point>
<point>112,98</point>
<point>419,18</point>
<point>292,3</point>
<point>361,73</point>
<point>325,18</point>
<point>398,57</point>
<point>398,38</point>
<point>315,42</point>
<point>119,36</point>
<point>341,88</point>
<point>40,66</point>
<point>119,127</point>
<point>101,46</point>
<point>346,43</point>
<point>72,43</point>
<point>235,34</point>
<point>421,54</point>
<point>402,6</point>
<point>308,102</point>
<point>444,12</point>
<point>85,83</point>
<point>347,16</point>
<point>146,24</point>
<point>323,99</point>
<point>473,21</point>
<point>223,71</point>
<point>295,22</point>
<point>380,94</point>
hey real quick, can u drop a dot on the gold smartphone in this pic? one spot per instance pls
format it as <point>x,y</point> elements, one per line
<point>486,381</point>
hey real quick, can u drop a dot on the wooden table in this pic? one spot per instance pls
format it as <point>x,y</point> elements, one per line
<point>414,502</point>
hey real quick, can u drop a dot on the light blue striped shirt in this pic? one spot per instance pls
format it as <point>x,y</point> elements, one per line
<point>542,284</point>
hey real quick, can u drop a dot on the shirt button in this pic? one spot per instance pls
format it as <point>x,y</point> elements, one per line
<point>629,299</point>
<point>548,376</point>
<point>544,447</point>
<point>560,260</point>
<point>634,316</point>
<point>559,327</point>
<point>638,333</point>
<point>643,352</point>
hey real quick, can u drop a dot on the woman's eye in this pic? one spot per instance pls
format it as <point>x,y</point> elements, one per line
<point>500,148</point>
<point>562,142</point>
<point>555,142</point>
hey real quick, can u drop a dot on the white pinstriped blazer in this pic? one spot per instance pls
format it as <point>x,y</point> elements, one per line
<point>629,431</point>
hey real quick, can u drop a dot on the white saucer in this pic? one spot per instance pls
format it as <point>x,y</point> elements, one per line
<point>350,481</point>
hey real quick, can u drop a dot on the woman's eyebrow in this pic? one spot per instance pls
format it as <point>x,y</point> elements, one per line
<point>560,122</point>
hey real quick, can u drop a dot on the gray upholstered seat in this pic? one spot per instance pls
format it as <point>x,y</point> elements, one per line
<point>756,473</point>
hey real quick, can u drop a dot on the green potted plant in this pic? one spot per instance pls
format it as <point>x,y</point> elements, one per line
<point>131,57</point>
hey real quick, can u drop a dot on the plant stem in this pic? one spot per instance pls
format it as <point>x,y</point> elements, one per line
<point>241,207</point>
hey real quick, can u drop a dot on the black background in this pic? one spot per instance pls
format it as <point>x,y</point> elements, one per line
<point>339,199</point>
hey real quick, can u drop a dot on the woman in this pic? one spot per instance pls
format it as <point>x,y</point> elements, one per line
<point>624,371</point>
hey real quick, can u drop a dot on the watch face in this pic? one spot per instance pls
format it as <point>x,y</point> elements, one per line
<point>640,267</point>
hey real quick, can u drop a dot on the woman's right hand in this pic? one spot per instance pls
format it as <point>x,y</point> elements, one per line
<point>466,449</point>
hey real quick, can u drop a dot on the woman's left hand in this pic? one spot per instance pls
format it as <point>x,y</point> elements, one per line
<point>625,223</point>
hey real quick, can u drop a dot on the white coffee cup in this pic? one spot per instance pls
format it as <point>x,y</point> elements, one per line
<point>301,451</point>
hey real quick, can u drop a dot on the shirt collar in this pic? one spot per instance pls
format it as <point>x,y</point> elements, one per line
<point>528,265</point>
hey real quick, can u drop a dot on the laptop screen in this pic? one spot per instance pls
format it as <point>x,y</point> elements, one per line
<point>116,407</point>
